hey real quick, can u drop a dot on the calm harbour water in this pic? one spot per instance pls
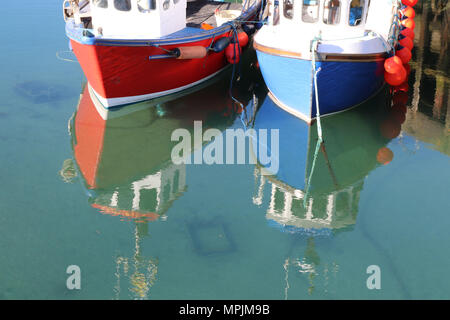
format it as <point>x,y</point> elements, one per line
<point>106,197</point>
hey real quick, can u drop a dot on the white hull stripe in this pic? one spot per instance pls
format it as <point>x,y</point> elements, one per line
<point>115,102</point>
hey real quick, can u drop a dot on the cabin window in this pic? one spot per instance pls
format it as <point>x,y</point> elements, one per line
<point>332,12</point>
<point>176,1</point>
<point>356,12</point>
<point>310,11</point>
<point>146,5</point>
<point>276,12</point>
<point>288,8</point>
<point>101,3</point>
<point>166,4</point>
<point>122,5</point>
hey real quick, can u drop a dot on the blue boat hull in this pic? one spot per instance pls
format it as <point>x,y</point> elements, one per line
<point>341,84</point>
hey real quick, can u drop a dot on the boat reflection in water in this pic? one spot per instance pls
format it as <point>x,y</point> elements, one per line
<point>124,159</point>
<point>319,203</point>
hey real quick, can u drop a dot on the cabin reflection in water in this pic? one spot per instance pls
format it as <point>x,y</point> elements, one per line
<point>148,198</point>
<point>349,153</point>
<point>123,157</point>
<point>321,214</point>
<point>330,203</point>
<point>125,161</point>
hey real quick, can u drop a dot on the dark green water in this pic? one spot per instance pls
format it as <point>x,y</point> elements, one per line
<point>106,197</point>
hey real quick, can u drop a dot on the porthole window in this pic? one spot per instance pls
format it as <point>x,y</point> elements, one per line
<point>356,12</point>
<point>122,5</point>
<point>146,5</point>
<point>288,8</point>
<point>310,11</point>
<point>176,1</point>
<point>166,4</point>
<point>101,3</point>
<point>332,11</point>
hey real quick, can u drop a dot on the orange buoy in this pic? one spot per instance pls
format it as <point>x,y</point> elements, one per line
<point>409,23</point>
<point>242,39</point>
<point>390,129</point>
<point>404,54</point>
<point>400,98</point>
<point>393,64</point>
<point>194,52</point>
<point>401,108</point>
<point>408,12</point>
<point>410,3</point>
<point>385,155</point>
<point>206,26</point>
<point>233,53</point>
<point>406,42</point>
<point>397,116</point>
<point>408,32</point>
<point>397,78</point>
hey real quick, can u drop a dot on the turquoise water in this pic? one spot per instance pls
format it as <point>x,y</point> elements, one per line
<point>105,196</point>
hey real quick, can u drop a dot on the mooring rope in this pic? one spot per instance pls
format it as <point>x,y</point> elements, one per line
<point>236,41</point>
<point>314,45</point>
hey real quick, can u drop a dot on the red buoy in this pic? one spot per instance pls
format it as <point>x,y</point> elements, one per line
<point>401,108</point>
<point>404,54</point>
<point>397,116</point>
<point>407,42</point>
<point>390,129</point>
<point>410,3</point>
<point>242,39</point>
<point>408,32</point>
<point>400,98</point>
<point>408,12</point>
<point>393,64</point>
<point>404,87</point>
<point>409,23</point>
<point>385,155</point>
<point>233,53</point>
<point>397,78</point>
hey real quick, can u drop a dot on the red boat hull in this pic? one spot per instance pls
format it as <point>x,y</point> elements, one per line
<point>126,74</point>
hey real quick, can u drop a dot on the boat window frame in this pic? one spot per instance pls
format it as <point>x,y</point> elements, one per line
<point>97,3</point>
<point>128,9</point>
<point>337,15</point>
<point>285,12</point>
<point>306,3</point>
<point>276,13</point>
<point>363,13</point>
<point>152,6</point>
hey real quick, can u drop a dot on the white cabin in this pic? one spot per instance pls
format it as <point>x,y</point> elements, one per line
<point>137,19</point>
<point>332,18</point>
<point>343,26</point>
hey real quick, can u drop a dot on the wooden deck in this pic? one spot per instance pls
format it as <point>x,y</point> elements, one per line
<point>202,11</point>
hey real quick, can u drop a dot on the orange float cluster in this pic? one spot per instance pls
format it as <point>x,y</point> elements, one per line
<point>396,67</point>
